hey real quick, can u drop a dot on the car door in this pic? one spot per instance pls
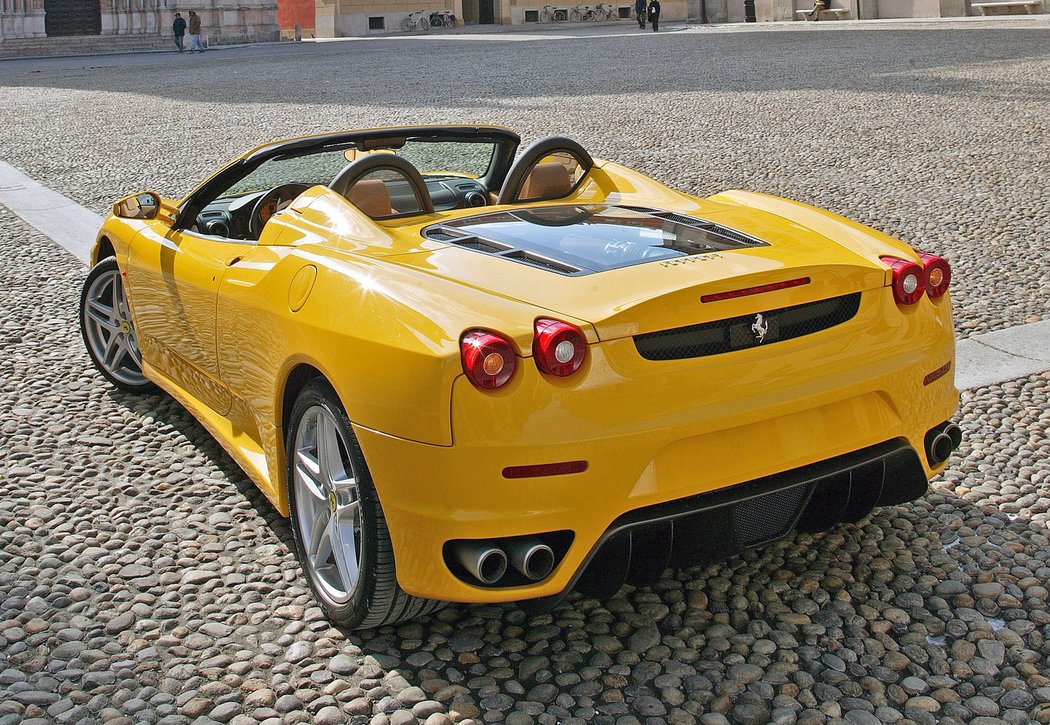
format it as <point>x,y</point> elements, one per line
<point>172,279</point>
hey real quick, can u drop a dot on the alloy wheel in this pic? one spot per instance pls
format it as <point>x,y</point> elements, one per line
<point>109,329</point>
<point>328,505</point>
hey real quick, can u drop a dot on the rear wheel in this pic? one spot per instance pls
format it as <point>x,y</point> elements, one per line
<point>575,16</point>
<point>424,23</point>
<point>407,25</point>
<point>546,17</point>
<point>109,331</point>
<point>340,532</point>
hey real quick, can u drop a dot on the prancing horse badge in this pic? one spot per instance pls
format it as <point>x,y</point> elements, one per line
<point>760,327</point>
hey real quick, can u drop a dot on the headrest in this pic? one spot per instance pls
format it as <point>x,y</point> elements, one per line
<point>546,181</point>
<point>372,197</point>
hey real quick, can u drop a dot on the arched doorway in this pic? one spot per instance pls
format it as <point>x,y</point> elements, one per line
<point>72,17</point>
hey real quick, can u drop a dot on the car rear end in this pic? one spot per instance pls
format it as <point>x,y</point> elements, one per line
<point>673,408</point>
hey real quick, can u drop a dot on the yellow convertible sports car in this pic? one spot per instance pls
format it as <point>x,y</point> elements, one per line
<point>472,374</point>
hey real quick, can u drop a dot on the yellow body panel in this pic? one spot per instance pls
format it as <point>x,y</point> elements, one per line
<point>378,310</point>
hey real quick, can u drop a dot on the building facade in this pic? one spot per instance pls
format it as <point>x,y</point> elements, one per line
<point>339,18</point>
<point>244,22</point>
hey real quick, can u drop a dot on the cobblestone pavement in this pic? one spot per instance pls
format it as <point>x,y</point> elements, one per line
<point>143,579</point>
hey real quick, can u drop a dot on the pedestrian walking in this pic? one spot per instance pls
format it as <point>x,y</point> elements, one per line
<point>178,29</point>
<point>639,10</point>
<point>654,14</point>
<point>195,32</point>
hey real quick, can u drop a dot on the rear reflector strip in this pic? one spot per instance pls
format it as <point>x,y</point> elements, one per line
<point>545,469</point>
<point>938,373</point>
<point>746,291</point>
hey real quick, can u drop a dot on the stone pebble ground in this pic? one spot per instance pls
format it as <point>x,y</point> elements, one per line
<point>143,579</point>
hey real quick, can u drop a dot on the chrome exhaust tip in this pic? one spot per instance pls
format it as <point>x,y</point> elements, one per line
<point>939,449</point>
<point>953,432</point>
<point>483,559</point>
<point>533,558</point>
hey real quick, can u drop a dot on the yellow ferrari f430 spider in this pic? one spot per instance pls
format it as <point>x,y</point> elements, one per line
<point>472,374</point>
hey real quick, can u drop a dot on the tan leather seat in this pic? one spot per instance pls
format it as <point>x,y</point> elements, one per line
<point>372,197</point>
<point>550,180</point>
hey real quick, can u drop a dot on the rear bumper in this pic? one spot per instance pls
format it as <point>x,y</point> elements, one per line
<point>433,495</point>
<point>640,544</point>
<point>664,434</point>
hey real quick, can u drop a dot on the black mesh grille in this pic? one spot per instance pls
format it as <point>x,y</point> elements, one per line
<point>733,235</point>
<point>739,333</point>
<point>765,518</point>
<point>540,262</point>
<point>479,244</point>
<point>441,235</point>
<point>682,219</point>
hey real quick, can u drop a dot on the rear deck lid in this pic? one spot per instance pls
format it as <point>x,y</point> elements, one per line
<point>634,270</point>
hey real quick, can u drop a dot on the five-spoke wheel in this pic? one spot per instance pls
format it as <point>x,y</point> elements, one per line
<point>328,514</point>
<point>108,329</point>
<point>338,525</point>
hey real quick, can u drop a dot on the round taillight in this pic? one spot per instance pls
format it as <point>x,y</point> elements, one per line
<point>488,359</point>
<point>559,348</point>
<point>938,275</point>
<point>909,280</point>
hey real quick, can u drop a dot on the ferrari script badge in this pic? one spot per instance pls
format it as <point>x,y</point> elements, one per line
<point>760,327</point>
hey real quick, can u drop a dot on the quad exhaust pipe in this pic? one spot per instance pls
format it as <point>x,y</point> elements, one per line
<point>531,557</point>
<point>488,561</point>
<point>940,441</point>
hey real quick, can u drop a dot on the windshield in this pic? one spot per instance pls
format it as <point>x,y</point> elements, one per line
<point>430,157</point>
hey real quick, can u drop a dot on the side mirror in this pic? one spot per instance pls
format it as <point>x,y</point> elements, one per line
<point>143,205</point>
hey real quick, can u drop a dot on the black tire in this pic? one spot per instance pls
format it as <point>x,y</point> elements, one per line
<point>125,371</point>
<point>375,599</point>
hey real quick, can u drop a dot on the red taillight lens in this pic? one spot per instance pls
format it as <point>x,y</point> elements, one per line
<point>938,274</point>
<point>488,359</point>
<point>909,280</point>
<point>559,348</point>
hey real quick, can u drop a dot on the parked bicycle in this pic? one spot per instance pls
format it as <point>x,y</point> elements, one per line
<point>442,19</point>
<point>551,14</point>
<point>588,13</point>
<point>416,20</point>
<point>610,11</point>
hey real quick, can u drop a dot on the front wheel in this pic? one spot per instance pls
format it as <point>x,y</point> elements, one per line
<point>109,331</point>
<point>575,16</point>
<point>341,536</point>
<point>546,17</point>
<point>424,23</point>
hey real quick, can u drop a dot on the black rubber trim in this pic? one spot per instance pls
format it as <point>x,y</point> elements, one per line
<point>532,155</point>
<point>893,454</point>
<point>359,168</point>
<point>506,141</point>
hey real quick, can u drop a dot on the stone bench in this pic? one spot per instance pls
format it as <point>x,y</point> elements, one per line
<point>830,13</point>
<point>1030,6</point>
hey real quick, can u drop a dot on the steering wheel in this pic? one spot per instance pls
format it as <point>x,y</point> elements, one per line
<point>273,201</point>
